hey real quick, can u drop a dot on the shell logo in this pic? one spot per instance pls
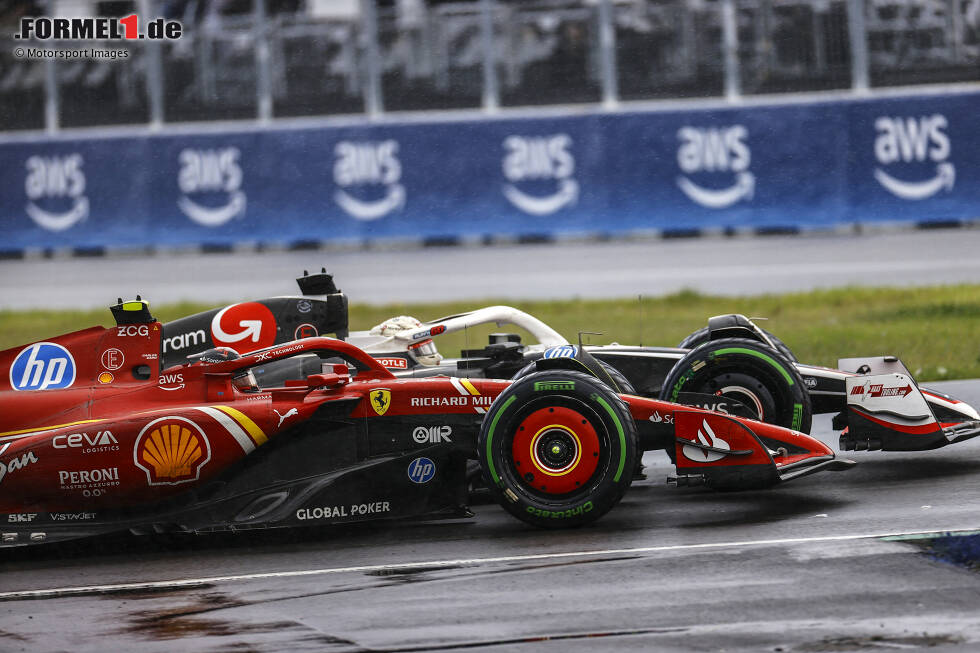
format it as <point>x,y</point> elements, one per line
<point>171,450</point>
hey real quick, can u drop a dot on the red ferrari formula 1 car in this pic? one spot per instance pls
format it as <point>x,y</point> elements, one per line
<point>95,437</point>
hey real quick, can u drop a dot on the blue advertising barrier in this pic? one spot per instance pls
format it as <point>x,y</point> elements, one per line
<point>796,165</point>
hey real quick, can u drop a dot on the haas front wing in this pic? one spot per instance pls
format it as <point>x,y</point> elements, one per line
<point>891,413</point>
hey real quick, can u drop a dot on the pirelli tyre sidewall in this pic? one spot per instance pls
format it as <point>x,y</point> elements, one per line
<point>558,449</point>
<point>700,337</point>
<point>625,387</point>
<point>748,371</point>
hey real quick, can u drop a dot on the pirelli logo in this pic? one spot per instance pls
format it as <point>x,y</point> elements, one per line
<point>551,386</point>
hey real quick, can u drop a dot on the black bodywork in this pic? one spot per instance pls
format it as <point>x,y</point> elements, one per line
<point>322,304</point>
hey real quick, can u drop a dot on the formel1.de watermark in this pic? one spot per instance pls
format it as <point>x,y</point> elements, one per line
<point>47,31</point>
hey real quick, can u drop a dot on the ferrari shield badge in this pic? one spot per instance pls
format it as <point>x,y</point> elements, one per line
<point>380,400</point>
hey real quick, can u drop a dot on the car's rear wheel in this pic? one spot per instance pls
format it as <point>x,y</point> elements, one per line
<point>747,371</point>
<point>557,449</point>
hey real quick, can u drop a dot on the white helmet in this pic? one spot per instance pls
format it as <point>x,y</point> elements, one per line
<point>423,351</point>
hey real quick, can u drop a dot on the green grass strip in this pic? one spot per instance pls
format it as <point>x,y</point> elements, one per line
<point>931,328</point>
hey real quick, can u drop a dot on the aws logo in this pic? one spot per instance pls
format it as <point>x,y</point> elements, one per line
<point>715,150</point>
<point>904,140</point>
<point>55,188</point>
<point>210,182</point>
<point>360,168</point>
<point>536,159</point>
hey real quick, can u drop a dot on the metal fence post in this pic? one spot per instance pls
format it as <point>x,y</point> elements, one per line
<point>491,87</point>
<point>50,96</point>
<point>729,28</point>
<point>154,68</point>
<point>607,55</point>
<point>263,78</point>
<point>857,33</point>
<point>51,107</point>
<point>373,100</point>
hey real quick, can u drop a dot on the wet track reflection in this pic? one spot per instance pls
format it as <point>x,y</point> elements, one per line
<point>667,569</point>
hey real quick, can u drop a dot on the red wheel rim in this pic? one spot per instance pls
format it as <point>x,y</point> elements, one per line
<point>555,450</point>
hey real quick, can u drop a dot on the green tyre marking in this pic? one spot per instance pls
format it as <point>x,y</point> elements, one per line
<point>797,416</point>
<point>757,354</point>
<point>680,384</point>
<point>622,436</point>
<point>493,425</point>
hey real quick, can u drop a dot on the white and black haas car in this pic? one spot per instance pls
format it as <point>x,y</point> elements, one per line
<point>731,365</point>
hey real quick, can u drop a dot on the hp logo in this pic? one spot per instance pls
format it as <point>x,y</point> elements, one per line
<point>421,470</point>
<point>42,366</point>
<point>564,351</point>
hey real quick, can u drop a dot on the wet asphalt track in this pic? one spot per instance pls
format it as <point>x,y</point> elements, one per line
<point>717,265</point>
<point>788,569</point>
<point>668,569</point>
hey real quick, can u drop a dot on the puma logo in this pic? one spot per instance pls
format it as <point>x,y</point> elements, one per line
<point>283,418</point>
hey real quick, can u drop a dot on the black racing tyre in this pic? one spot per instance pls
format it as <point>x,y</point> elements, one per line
<point>623,385</point>
<point>700,337</point>
<point>558,449</point>
<point>748,371</point>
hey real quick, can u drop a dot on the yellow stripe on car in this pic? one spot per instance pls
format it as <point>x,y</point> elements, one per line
<point>41,429</point>
<point>253,429</point>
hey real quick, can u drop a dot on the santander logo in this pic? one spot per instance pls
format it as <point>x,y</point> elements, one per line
<point>708,438</point>
<point>244,327</point>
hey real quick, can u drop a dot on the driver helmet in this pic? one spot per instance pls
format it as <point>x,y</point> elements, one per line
<point>216,355</point>
<point>245,382</point>
<point>424,352</point>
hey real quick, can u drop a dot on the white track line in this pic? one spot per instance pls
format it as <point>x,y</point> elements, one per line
<point>435,564</point>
